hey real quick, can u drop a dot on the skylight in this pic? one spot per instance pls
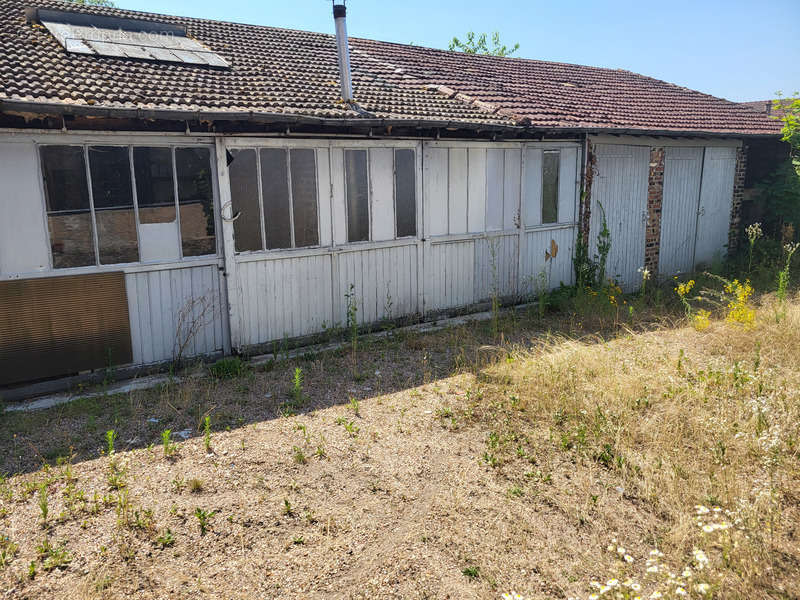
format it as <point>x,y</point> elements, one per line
<point>81,33</point>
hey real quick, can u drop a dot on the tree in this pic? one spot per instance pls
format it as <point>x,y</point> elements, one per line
<point>478,45</point>
<point>790,107</point>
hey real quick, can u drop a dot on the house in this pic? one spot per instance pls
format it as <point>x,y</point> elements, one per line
<point>175,187</point>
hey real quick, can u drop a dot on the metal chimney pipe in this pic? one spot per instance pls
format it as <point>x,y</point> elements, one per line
<point>343,50</point>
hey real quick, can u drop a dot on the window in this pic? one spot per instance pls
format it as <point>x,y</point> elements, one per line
<point>405,194</point>
<point>243,174</point>
<point>195,201</point>
<point>112,193</point>
<point>304,197</point>
<point>550,168</point>
<point>275,190</point>
<point>117,204</point>
<point>281,185</point>
<point>69,215</point>
<point>357,194</point>
<point>155,189</point>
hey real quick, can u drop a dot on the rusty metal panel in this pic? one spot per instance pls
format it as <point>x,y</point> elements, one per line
<point>58,326</point>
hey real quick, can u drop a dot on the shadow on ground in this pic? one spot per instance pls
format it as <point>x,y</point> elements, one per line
<point>76,431</point>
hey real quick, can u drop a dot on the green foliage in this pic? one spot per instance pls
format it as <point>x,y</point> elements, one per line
<point>169,446</point>
<point>478,44</point>
<point>791,120</point>
<point>111,435</point>
<point>779,196</point>
<point>297,385</point>
<point>591,272</point>
<point>227,368</point>
<point>43,503</point>
<point>471,572</point>
<point>203,519</point>
<point>166,539</point>
<point>783,279</point>
<point>207,433</point>
<point>603,248</point>
<point>8,550</point>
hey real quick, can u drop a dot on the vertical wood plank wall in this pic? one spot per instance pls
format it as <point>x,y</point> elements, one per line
<point>173,307</point>
<point>478,230</point>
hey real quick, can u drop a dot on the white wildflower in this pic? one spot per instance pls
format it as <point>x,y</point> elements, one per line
<point>656,595</point>
<point>680,591</point>
<point>701,510</point>
<point>612,583</point>
<point>754,231</point>
<point>703,588</point>
<point>628,558</point>
<point>700,558</point>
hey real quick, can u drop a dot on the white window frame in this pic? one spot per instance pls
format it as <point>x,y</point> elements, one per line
<point>85,144</point>
<point>287,148</point>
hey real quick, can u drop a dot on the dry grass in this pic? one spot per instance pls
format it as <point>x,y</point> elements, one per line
<point>464,470</point>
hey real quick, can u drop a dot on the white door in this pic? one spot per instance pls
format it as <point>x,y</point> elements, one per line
<point>716,195</point>
<point>682,172</point>
<point>620,186</point>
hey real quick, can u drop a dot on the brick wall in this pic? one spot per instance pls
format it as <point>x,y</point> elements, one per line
<point>734,234</point>
<point>655,196</point>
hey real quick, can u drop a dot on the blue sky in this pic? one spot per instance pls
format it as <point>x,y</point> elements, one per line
<point>736,49</point>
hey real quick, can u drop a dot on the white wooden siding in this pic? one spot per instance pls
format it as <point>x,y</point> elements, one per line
<point>568,185</point>
<point>476,212</point>
<point>164,303</point>
<point>457,191</point>
<point>494,189</point>
<point>682,172</point>
<point>449,274</point>
<point>23,235</point>
<point>620,185</point>
<point>381,169</point>
<point>435,178</point>
<point>496,266</point>
<point>558,270</point>
<point>716,196</point>
<point>384,282</point>
<point>286,297</point>
<point>532,210</point>
<point>511,187</point>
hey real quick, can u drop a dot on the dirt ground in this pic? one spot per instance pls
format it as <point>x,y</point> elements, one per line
<point>456,464</point>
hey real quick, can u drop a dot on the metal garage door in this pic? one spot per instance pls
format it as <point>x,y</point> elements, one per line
<point>683,169</point>
<point>620,185</point>
<point>716,195</point>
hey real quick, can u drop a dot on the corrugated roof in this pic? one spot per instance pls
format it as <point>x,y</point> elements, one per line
<point>288,72</point>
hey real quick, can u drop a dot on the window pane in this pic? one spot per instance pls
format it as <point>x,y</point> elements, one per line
<point>550,167</point>
<point>196,201</point>
<point>112,194</point>
<point>405,192</point>
<point>155,191</point>
<point>304,198</point>
<point>275,191</point>
<point>69,217</point>
<point>244,200</point>
<point>357,184</point>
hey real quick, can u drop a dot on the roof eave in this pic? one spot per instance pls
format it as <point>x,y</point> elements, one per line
<point>56,109</point>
